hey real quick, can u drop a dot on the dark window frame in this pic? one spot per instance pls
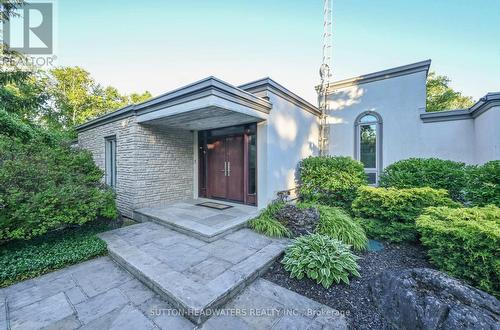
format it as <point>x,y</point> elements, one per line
<point>110,156</point>
<point>358,123</point>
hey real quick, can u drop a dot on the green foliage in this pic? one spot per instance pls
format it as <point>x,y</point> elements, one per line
<point>393,211</point>
<point>483,184</point>
<point>426,172</point>
<point>441,97</point>
<point>21,260</point>
<point>79,98</point>
<point>330,180</point>
<point>321,258</point>
<point>46,187</point>
<point>267,224</point>
<point>464,242</point>
<point>338,224</point>
<point>394,232</point>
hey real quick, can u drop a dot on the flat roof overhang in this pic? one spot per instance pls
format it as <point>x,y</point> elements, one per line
<point>205,104</point>
<point>206,112</point>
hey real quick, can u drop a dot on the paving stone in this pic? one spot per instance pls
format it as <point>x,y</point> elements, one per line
<point>292,300</point>
<point>226,283</point>
<point>53,284</point>
<point>248,237</point>
<point>176,322</point>
<point>136,292</point>
<point>75,295</point>
<point>226,322</point>
<point>178,257</point>
<point>290,322</point>
<point>125,318</point>
<point>104,277</point>
<point>260,311</point>
<point>228,250</point>
<point>48,311</point>
<point>3,312</point>
<point>169,241</point>
<point>329,318</point>
<point>258,262</point>
<point>199,222</point>
<point>218,219</point>
<point>155,307</point>
<point>208,269</point>
<point>100,305</point>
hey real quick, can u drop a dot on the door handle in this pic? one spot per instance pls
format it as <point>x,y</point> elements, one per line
<point>228,168</point>
<point>225,168</point>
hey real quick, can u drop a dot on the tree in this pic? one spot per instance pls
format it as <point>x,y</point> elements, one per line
<point>441,97</point>
<point>78,98</point>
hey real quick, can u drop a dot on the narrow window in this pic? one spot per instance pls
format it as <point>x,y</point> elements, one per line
<point>252,163</point>
<point>110,154</point>
<point>368,144</point>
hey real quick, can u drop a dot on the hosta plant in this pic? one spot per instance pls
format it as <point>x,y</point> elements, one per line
<point>321,258</point>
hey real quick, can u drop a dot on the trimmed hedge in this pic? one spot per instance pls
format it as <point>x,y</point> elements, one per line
<point>337,223</point>
<point>464,242</point>
<point>331,181</point>
<point>483,184</point>
<point>391,212</point>
<point>426,172</point>
<point>21,260</point>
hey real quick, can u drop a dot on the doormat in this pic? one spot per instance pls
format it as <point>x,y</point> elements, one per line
<point>214,205</point>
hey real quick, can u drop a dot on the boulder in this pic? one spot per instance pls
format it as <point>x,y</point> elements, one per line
<point>423,298</point>
<point>299,221</point>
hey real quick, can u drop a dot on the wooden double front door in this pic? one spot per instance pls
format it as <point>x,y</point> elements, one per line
<point>225,167</point>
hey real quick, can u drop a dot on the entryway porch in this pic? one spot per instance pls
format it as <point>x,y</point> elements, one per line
<point>192,218</point>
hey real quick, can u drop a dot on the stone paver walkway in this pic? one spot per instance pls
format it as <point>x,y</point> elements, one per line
<point>98,294</point>
<point>200,222</point>
<point>193,275</point>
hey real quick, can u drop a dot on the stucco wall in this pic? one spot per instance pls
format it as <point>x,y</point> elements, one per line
<point>487,135</point>
<point>289,135</point>
<point>399,101</point>
<point>154,164</point>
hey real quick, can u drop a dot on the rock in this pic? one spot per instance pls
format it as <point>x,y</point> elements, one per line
<point>299,221</point>
<point>422,298</point>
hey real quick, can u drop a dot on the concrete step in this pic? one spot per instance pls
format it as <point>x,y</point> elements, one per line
<point>194,276</point>
<point>198,222</point>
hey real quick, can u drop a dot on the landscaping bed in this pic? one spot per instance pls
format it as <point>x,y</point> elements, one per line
<point>353,299</point>
<point>24,259</point>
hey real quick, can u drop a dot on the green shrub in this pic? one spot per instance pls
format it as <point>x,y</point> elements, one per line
<point>267,224</point>
<point>21,260</point>
<point>464,242</point>
<point>394,232</point>
<point>321,258</point>
<point>426,172</point>
<point>338,224</point>
<point>330,180</point>
<point>392,212</point>
<point>483,184</point>
<point>47,187</point>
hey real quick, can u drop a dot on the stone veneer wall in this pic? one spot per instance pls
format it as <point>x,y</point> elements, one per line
<point>164,162</point>
<point>154,164</point>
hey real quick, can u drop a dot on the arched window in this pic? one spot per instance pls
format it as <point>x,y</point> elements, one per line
<point>368,144</point>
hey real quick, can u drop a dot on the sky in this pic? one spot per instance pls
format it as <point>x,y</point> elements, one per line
<point>162,45</point>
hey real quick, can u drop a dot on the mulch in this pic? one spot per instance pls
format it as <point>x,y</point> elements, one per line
<point>353,300</point>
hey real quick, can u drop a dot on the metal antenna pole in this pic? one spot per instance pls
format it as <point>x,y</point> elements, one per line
<point>325,74</point>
